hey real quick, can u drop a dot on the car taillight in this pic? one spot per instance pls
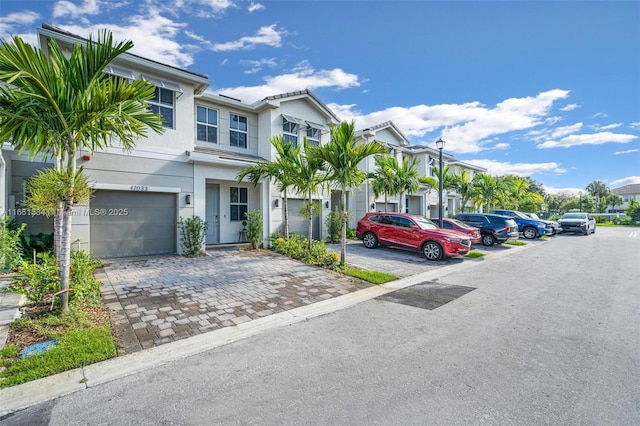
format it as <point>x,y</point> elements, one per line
<point>507,229</point>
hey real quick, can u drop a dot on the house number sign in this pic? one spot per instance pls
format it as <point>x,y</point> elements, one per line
<point>139,188</point>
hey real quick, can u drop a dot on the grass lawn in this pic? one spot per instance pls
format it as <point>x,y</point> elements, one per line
<point>515,243</point>
<point>83,337</point>
<point>374,277</point>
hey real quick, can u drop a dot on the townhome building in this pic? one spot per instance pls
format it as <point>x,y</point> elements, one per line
<point>191,168</point>
<point>423,202</point>
<point>628,193</point>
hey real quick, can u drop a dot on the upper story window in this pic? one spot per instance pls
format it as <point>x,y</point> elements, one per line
<point>313,135</point>
<point>163,103</point>
<point>207,124</point>
<point>290,131</point>
<point>237,130</point>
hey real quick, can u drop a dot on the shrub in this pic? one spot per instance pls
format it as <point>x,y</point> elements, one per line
<point>39,243</point>
<point>333,225</point>
<point>192,234</point>
<point>254,228</point>
<point>37,280</point>
<point>10,248</point>
<point>86,288</point>
<point>351,234</point>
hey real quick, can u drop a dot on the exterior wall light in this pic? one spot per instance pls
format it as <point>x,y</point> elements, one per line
<point>276,202</point>
<point>187,199</point>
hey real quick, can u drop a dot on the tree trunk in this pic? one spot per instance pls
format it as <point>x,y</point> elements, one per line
<point>64,259</point>
<point>310,234</point>
<point>343,242</point>
<point>285,212</point>
<point>57,229</point>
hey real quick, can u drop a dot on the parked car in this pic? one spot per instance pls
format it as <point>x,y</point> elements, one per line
<point>578,222</point>
<point>530,228</point>
<point>472,232</point>
<point>555,226</point>
<point>494,228</point>
<point>411,232</point>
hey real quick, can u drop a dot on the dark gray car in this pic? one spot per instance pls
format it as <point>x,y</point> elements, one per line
<point>495,229</point>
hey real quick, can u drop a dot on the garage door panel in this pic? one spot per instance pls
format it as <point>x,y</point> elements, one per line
<point>132,224</point>
<point>299,224</point>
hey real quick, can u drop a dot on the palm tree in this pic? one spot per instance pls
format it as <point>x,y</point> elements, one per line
<point>448,179</point>
<point>342,157</point>
<point>407,178</point>
<point>60,103</point>
<point>485,190</point>
<point>278,170</point>
<point>463,185</point>
<point>614,200</point>
<point>307,180</point>
<point>382,179</point>
<point>599,191</point>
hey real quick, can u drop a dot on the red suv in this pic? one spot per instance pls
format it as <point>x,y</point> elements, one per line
<point>412,232</point>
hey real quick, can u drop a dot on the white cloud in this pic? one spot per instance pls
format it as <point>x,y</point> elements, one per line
<point>466,125</point>
<point>22,18</point>
<point>592,139</point>
<point>600,128</point>
<point>303,76</point>
<point>211,8</point>
<point>64,8</point>
<point>635,125</point>
<point>256,66</point>
<point>153,35</point>
<point>629,151</point>
<point>255,6</point>
<point>497,168</point>
<point>568,191</point>
<point>600,115</point>
<point>501,145</point>
<point>566,130</point>
<point>269,36</point>
<point>570,107</point>
<point>625,181</point>
<point>8,23</point>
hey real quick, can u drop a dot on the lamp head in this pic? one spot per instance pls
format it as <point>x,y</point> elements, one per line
<point>440,143</point>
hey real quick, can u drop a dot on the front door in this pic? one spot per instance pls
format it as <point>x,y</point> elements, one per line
<point>212,213</point>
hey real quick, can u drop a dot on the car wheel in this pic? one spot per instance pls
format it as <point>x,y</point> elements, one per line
<point>586,232</point>
<point>594,230</point>
<point>432,250</point>
<point>370,240</point>
<point>488,240</point>
<point>529,233</point>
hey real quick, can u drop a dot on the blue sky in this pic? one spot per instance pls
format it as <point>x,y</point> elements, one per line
<point>549,90</point>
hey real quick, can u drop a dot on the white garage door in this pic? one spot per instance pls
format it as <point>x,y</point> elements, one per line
<point>124,224</point>
<point>299,224</point>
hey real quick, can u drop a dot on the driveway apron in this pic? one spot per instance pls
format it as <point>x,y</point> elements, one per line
<point>160,299</point>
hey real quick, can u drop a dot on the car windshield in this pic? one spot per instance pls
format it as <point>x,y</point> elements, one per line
<point>574,216</point>
<point>521,215</point>
<point>533,216</point>
<point>424,223</point>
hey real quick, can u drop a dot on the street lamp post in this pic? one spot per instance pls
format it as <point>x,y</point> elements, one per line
<point>580,202</point>
<point>440,145</point>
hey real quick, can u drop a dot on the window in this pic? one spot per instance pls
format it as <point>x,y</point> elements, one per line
<point>237,130</point>
<point>238,204</point>
<point>207,123</point>
<point>290,131</point>
<point>163,103</point>
<point>313,135</point>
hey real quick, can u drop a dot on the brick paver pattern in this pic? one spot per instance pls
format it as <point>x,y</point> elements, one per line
<point>160,299</point>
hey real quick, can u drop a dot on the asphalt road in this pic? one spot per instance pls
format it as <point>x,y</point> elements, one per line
<point>550,335</point>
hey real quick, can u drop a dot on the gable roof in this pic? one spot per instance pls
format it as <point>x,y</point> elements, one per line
<point>201,81</point>
<point>632,189</point>
<point>274,100</point>
<point>389,125</point>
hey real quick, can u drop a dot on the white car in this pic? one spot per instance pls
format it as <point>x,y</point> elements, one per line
<point>578,222</point>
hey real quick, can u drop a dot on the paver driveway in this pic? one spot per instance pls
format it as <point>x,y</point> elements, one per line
<point>160,299</point>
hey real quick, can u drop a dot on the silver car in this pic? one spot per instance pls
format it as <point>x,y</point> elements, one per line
<point>578,222</point>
